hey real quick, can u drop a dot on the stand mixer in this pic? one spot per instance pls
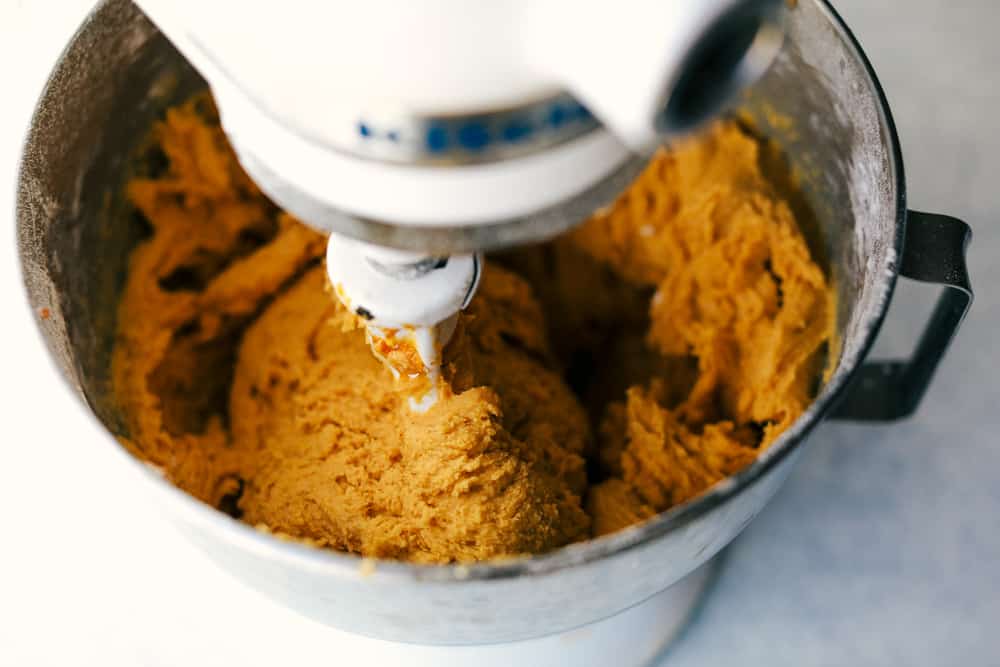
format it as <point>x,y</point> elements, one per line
<point>419,134</point>
<point>115,78</point>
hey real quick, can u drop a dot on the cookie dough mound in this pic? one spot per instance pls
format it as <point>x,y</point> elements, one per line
<point>331,451</point>
<point>216,252</point>
<point>737,294</point>
<point>689,318</point>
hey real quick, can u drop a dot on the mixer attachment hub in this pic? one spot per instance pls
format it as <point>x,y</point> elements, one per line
<point>408,302</point>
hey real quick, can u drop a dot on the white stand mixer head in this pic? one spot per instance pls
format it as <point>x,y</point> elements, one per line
<point>386,119</point>
<point>446,126</point>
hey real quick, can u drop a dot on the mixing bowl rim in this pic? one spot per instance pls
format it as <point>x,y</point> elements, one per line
<point>334,563</point>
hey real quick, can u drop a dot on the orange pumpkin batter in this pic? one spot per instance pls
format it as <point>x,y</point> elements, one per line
<point>666,341</point>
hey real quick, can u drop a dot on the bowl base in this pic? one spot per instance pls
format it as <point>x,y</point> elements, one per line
<point>637,637</point>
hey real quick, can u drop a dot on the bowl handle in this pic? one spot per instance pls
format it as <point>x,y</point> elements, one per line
<point>934,252</point>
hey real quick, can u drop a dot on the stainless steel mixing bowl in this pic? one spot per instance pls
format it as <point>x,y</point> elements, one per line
<point>75,232</point>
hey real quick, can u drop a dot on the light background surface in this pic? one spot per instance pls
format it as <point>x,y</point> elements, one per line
<point>883,549</point>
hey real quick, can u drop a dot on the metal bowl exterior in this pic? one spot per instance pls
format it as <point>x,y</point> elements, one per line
<point>840,138</point>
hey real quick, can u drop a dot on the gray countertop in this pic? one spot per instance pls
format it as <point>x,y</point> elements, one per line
<point>884,547</point>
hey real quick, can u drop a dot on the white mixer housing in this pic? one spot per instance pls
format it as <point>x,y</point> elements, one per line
<point>444,126</point>
<point>448,113</point>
